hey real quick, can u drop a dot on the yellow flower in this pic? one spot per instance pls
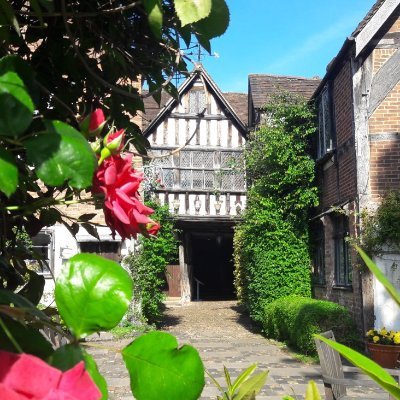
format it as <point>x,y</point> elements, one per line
<point>370,332</point>
<point>375,339</point>
<point>383,332</point>
<point>396,338</point>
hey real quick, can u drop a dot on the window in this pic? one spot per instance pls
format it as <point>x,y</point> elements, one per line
<point>201,170</point>
<point>343,271</point>
<point>42,247</point>
<point>318,241</point>
<point>325,119</point>
<point>106,249</point>
<point>197,101</point>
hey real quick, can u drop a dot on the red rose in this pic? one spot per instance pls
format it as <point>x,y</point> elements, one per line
<point>123,211</point>
<point>97,121</point>
<point>26,377</point>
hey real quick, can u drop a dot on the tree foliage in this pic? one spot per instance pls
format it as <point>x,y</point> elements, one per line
<point>271,244</point>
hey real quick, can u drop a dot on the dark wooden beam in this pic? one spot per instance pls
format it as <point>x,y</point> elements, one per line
<point>384,81</point>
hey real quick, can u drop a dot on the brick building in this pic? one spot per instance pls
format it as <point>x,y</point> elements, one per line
<point>357,153</point>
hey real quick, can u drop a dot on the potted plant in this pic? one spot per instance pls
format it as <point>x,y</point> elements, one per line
<point>384,346</point>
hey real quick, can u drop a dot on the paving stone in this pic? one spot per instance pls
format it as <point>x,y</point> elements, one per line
<point>223,335</point>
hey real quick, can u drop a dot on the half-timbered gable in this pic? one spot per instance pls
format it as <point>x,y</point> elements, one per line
<point>197,147</point>
<point>197,161</point>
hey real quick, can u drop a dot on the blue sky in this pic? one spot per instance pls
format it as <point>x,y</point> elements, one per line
<point>292,37</point>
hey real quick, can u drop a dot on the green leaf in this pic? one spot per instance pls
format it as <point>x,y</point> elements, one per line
<point>49,216</point>
<point>33,290</point>
<point>156,365</point>
<point>8,173</point>
<point>379,275</point>
<point>243,376</point>
<point>91,230</point>
<point>216,23</point>
<point>62,154</point>
<point>250,387</point>
<point>30,340</point>
<point>92,294</point>
<point>369,367</point>
<point>312,392</point>
<point>15,104</point>
<point>13,63</point>
<point>8,12</point>
<point>69,355</point>
<point>190,11</point>
<point>155,15</point>
<point>7,297</point>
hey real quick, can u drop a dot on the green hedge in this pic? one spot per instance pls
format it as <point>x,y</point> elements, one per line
<point>295,319</point>
<point>271,257</point>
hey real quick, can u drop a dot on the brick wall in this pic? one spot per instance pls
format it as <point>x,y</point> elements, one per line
<point>384,131</point>
<point>338,178</point>
<point>349,297</point>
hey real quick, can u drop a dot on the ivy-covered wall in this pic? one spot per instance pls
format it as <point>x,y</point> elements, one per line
<point>271,244</point>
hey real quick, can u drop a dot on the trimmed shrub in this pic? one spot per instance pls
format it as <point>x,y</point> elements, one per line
<point>295,319</point>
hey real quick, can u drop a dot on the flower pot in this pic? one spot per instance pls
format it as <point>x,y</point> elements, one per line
<point>384,354</point>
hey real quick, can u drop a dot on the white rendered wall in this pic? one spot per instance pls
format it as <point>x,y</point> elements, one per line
<point>387,312</point>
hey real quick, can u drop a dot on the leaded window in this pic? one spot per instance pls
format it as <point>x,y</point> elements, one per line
<point>326,125</point>
<point>343,270</point>
<point>43,252</point>
<point>200,170</point>
<point>197,101</point>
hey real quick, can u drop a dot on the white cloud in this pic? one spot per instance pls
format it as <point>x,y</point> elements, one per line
<point>313,44</point>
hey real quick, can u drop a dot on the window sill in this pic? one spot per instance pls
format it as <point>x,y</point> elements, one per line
<point>319,285</point>
<point>327,156</point>
<point>347,288</point>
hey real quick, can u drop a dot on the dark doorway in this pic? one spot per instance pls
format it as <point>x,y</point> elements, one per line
<point>213,266</point>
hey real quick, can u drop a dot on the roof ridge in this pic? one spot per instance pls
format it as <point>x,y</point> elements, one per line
<point>286,76</point>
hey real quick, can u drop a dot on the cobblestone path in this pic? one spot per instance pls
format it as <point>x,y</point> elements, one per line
<point>223,336</point>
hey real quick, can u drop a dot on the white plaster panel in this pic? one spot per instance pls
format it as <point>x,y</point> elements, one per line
<point>387,312</point>
<point>213,133</point>
<point>182,204</point>
<point>214,107</point>
<point>235,137</point>
<point>182,132</point>
<point>203,133</point>
<point>160,134</point>
<point>223,127</point>
<point>192,131</point>
<point>171,131</point>
<point>192,198</point>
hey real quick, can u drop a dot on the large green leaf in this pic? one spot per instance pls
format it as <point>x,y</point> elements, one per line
<point>29,340</point>
<point>312,392</point>
<point>8,12</point>
<point>369,367</point>
<point>155,16</point>
<point>190,11</point>
<point>252,386</point>
<point>216,23</point>
<point>8,173</point>
<point>68,356</point>
<point>157,366</point>
<point>15,104</point>
<point>92,294</point>
<point>60,154</point>
<point>380,276</point>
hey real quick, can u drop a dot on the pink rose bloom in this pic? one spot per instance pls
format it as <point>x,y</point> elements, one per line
<point>97,121</point>
<point>123,211</point>
<point>26,377</point>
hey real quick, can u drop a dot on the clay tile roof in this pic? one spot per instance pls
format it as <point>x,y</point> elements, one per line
<point>263,87</point>
<point>238,102</point>
<point>368,17</point>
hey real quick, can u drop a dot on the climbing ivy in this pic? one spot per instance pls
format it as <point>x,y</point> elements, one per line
<point>383,228</point>
<point>148,264</point>
<point>271,244</point>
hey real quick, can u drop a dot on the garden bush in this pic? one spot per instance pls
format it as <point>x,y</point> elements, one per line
<point>271,253</point>
<point>295,319</point>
